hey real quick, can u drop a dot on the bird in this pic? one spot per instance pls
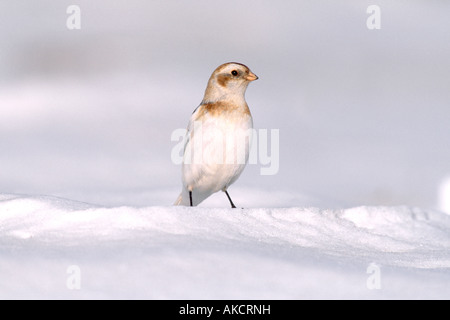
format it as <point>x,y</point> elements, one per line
<point>218,137</point>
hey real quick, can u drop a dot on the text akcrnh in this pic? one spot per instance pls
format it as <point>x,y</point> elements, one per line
<point>227,309</point>
<point>246,309</point>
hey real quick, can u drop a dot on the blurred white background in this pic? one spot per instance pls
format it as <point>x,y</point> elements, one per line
<point>363,114</point>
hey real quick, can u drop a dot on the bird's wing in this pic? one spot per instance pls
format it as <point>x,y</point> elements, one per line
<point>190,127</point>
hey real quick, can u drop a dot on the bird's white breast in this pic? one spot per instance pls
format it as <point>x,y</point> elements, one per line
<point>223,140</point>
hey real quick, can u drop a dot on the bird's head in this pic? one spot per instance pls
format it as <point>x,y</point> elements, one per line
<point>228,82</point>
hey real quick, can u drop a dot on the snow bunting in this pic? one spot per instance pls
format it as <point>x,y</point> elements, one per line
<point>219,136</point>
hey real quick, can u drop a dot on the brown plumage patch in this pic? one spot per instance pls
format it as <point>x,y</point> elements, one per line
<point>217,108</point>
<point>222,79</point>
<point>247,110</point>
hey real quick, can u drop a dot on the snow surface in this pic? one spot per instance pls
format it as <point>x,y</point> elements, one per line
<point>444,196</point>
<point>217,253</point>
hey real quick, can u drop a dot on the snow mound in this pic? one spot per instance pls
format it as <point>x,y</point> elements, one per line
<point>210,253</point>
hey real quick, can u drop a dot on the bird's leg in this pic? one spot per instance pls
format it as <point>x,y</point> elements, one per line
<point>190,197</point>
<point>231,202</point>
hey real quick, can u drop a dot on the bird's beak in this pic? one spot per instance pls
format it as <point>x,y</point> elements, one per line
<point>251,76</point>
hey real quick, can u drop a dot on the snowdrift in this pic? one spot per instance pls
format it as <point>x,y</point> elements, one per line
<point>57,248</point>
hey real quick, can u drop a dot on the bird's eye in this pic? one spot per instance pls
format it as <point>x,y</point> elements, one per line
<point>234,73</point>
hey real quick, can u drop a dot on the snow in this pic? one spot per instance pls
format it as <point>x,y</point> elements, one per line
<point>169,252</point>
<point>444,196</point>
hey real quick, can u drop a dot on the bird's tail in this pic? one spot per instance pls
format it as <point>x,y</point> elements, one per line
<point>183,199</point>
<point>179,200</point>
